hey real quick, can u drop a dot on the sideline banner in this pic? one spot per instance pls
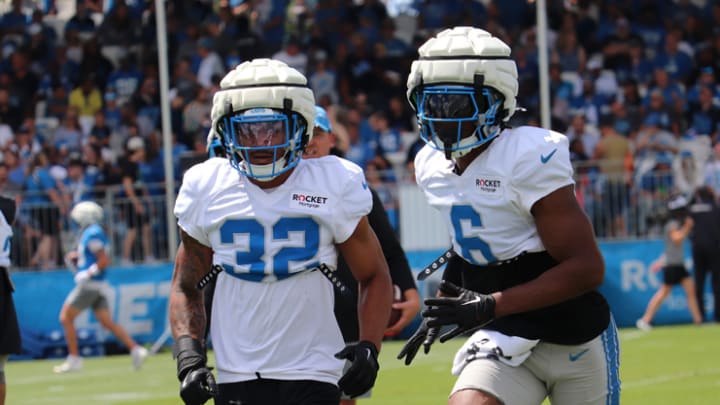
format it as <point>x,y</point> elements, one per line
<point>138,295</point>
<point>628,284</point>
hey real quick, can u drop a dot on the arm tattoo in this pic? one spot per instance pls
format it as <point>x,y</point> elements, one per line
<point>187,312</point>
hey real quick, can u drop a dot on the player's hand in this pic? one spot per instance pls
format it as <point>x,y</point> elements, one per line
<point>408,311</point>
<point>81,277</point>
<point>197,382</point>
<point>198,386</point>
<point>461,307</point>
<point>424,336</point>
<point>361,375</point>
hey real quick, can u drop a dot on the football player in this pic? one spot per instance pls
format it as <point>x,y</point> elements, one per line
<point>274,223</point>
<point>321,145</point>
<point>10,342</point>
<point>527,267</point>
<point>89,262</point>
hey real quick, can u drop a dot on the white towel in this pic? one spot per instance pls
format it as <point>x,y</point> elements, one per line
<point>490,344</point>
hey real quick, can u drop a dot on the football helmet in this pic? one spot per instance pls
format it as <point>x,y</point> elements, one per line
<point>214,146</point>
<point>264,113</point>
<point>87,213</point>
<point>463,89</point>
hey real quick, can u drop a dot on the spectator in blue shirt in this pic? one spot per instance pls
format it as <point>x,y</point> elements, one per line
<point>650,28</point>
<point>561,91</point>
<point>82,22</point>
<point>359,151</point>
<point>705,78</point>
<point>42,198</point>
<point>670,89</point>
<point>14,22</point>
<point>677,63</point>
<point>703,117</point>
<point>77,186</point>
<point>125,79</point>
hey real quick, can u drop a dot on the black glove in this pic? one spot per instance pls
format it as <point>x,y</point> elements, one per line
<point>461,307</point>
<point>197,382</point>
<point>424,335</point>
<point>361,375</point>
<point>198,386</point>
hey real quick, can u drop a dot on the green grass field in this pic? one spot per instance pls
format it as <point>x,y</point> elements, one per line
<point>669,365</point>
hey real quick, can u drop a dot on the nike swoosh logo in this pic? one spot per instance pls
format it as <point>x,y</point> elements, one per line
<point>544,159</point>
<point>576,356</point>
<point>364,184</point>
<point>474,301</point>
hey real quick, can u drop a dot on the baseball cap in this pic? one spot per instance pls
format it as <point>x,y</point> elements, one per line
<point>321,119</point>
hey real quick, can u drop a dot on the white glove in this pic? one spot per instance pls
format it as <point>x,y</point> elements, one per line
<point>93,270</point>
<point>82,277</point>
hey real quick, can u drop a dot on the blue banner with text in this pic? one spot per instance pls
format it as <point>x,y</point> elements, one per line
<point>138,296</point>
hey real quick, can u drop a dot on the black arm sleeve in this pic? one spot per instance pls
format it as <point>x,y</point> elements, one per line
<point>7,206</point>
<point>394,254</point>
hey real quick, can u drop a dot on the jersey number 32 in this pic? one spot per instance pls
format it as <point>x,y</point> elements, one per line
<point>256,257</point>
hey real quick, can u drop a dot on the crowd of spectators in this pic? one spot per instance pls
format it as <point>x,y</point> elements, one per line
<point>633,84</point>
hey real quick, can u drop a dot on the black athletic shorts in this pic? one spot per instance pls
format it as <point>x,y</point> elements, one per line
<point>278,392</point>
<point>673,275</point>
<point>9,329</point>
<point>133,219</point>
<point>47,219</point>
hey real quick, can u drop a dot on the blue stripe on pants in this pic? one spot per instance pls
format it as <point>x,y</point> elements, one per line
<point>611,345</point>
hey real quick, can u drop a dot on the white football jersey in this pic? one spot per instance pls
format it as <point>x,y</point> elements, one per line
<point>6,234</point>
<point>487,208</point>
<point>270,317</point>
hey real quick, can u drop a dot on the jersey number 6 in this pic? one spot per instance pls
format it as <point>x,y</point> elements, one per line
<point>460,214</point>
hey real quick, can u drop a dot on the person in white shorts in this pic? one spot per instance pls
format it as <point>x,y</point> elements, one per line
<point>525,265</point>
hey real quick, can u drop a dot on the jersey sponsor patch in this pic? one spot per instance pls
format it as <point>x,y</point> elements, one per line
<point>489,185</point>
<point>309,200</point>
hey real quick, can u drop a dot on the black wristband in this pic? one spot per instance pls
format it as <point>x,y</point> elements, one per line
<point>190,355</point>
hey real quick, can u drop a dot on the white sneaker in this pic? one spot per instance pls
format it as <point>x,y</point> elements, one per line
<point>72,363</point>
<point>642,325</point>
<point>138,354</point>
